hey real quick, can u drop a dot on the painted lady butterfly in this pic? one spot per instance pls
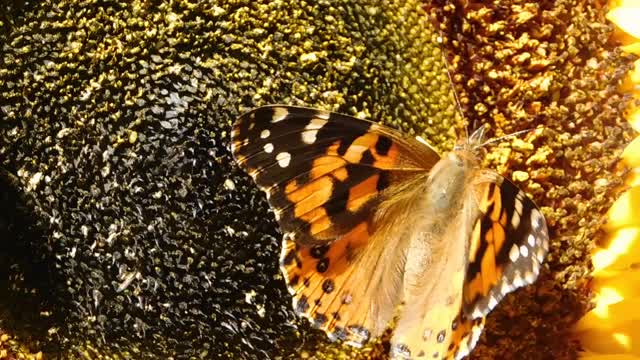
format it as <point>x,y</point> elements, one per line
<point>373,220</point>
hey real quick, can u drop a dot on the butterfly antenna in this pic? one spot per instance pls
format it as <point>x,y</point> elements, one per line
<point>453,88</point>
<point>491,141</point>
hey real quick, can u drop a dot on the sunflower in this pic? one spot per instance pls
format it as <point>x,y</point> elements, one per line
<point>612,329</point>
<point>118,71</point>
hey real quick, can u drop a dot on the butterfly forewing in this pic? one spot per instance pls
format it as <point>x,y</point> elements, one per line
<point>508,244</point>
<point>323,172</point>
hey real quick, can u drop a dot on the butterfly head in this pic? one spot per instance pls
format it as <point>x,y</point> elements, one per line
<point>473,145</point>
<point>476,141</point>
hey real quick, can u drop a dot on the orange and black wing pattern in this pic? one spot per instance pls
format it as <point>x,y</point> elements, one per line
<point>325,175</point>
<point>322,171</point>
<point>508,244</point>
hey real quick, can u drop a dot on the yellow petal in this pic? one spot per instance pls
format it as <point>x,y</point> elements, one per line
<point>631,154</point>
<point>634,119</point>
<point>595,356</point>
<point>622,252</point>
<point>615,287</point>
<point>633,48</point>
<point>620,334</point>
<point>626,18</point>
<point>625,212</point>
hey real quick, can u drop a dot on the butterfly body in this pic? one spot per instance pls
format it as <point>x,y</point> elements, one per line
<point>374,221</point>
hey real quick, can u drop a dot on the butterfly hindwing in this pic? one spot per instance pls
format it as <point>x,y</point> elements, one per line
<point>336,288</point>
<point>508,244</point>
<point>439,330</point>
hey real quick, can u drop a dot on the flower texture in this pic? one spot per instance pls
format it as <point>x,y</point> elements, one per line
<point>133,236</point>
<point>612,329</point>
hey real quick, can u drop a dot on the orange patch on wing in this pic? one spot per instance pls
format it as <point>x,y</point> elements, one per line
<point>488,270</point>
<point>487,198</point>
<point>497,208</point>
<point>503,219</point>
<point>317,217</point>
<point>473,287</point>
<point>361,193</point>
<point>353,153</point>
<point>341,174</point>
<point>340,256</point>
<point>488,236</point>
<point>325,165</point>
<point>291,186</point>
<point>311,195</point>
<point>498,236</point>
<point>308,201</point>
<point>474,243</point>
<point>363,143</point>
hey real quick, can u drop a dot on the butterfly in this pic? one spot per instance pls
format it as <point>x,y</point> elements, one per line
<point>378,227</point>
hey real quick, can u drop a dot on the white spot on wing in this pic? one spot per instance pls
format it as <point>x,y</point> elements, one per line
<point>506,288</point>
<point>519,202</point>
<point>536,219</point>
<point>514,253</point>
<point>524,250</point>
<point>347,299</point>
<point>531,240</point>
<point>492,302</point>
<point>475,336</point>
<point>279,114</point>
<point>268,148</point>
<point>477,313</point>
<point>518,205</point>
<point>265,134</point>
<point>515,220</point>
<point>517,279</point>
<point>283,159</point>
<point>462,353</point>
<point>322,115</point>
<point>529,277</point>
<point>311,130</point>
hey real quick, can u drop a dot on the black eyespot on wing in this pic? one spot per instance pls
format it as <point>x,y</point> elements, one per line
<point>327,286</point>
<point>383,145</point>
<point>318,252</point>
<point>322,265</point>
<point>302,304</point>
<point>508,246</point>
